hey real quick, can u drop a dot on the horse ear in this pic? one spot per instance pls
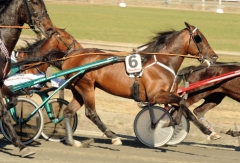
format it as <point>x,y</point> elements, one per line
<point>187,25</point>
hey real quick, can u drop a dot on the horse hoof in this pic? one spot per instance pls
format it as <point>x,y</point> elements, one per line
<point>213,136</point>
<point>77,144</point>
<point>225,131</point>
<point>116,141</point>
<point>26,152</point>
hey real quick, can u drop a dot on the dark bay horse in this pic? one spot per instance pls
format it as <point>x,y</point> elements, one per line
<point>214,93</point>
<point>156,85</point>
<point>15,13</point>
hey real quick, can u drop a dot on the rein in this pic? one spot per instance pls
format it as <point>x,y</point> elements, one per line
<point>21,27</point>
<point>28,66</point>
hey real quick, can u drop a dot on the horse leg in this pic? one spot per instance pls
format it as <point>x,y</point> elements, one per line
<point>68,113</point>
<point>189,115</point>
<point>90,112</point>
<point>230,132</point>
<point>210,102</point>
<point>170,98</point>
<point>182,109</point>
<point>5,118</point>
<point>6,92</point>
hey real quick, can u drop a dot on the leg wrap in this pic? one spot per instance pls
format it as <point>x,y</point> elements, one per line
<point>204,121</point>
<point>102,127</point>
<point>68,129</point>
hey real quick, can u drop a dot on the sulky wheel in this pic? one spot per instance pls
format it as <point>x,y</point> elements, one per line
<point>153,137</point>
<point>180,132</point>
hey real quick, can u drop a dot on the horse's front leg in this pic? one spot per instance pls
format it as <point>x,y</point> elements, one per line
<point>6,92</point>
<point>5,118</point>
<point>170,98</point>
<point>164,97</point>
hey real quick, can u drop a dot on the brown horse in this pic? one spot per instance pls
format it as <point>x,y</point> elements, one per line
<point>60,40</point>
<point>15,13</point>
<point>214,93</point>
<point>156,85</point>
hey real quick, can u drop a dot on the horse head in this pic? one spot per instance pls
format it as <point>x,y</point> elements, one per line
<point>61,40</point>
<point>34,13</point>
<point>199,46</point>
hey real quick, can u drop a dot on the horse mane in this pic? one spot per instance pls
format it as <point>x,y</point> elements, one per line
<point>33,47</point>
<point>4,4</point>
<point>158,42</point>
<point>51,56</point>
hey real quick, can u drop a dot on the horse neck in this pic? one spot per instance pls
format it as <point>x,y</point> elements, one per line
<point>10,17</point>
<point>178,46</point>
<point>173,62</point>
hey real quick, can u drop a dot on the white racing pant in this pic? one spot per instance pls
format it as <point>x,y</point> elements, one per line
<point>21,78</point>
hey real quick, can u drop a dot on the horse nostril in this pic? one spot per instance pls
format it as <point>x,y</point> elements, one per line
<point>215,57</point>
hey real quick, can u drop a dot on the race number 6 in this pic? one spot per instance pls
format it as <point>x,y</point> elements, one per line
<point>133,63</point>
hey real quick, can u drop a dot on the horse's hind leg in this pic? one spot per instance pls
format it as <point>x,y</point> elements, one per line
<point>91,113</point>
<point>68,114</point>
<point>5,118</point>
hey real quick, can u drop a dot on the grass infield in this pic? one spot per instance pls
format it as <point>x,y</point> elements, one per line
<point>138,24</point>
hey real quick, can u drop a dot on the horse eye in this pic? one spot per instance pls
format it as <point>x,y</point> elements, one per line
<point>197,38</point>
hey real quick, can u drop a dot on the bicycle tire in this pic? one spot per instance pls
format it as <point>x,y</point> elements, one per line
<point>152,137</point>
<point>31,130</point>
<point>56,132</point>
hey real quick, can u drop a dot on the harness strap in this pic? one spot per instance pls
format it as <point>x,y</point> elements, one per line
<point>163,66</point>
<point>6,53</point>
<point>160,64</point>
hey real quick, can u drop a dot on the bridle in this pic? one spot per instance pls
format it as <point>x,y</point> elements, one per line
<point>35,20</point>
<point>69,46</point>
<point>197,39</point>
